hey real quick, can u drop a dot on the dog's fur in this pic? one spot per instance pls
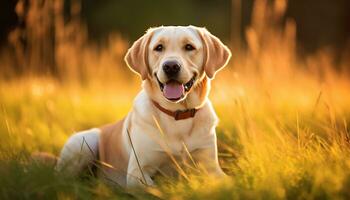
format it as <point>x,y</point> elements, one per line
<point>156,137</point>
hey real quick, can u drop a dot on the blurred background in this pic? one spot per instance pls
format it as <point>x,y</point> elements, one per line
<point>35,35</point>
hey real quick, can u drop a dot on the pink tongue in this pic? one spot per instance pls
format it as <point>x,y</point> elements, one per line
<point>173,90</point>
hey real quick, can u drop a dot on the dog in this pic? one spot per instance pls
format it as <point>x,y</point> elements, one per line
<point>170,116</point>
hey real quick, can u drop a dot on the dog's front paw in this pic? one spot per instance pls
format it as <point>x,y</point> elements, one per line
<point>139,182</point>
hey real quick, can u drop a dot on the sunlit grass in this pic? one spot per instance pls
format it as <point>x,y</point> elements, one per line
<point>44,112</point>
<point>283,130</point>
<point>281,139</point>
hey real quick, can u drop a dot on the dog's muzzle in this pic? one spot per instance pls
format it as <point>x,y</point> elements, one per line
<point>173,90</point>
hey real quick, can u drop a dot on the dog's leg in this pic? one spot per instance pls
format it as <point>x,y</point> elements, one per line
<point>140,170</point>
<point>79,152</point>
<point>138,176</point>
<point>207,160</point>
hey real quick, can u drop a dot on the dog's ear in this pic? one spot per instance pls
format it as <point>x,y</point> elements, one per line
<point>217,54</point>
<point>137,56</point>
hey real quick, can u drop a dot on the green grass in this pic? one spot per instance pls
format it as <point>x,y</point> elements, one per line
<point>277,141</point>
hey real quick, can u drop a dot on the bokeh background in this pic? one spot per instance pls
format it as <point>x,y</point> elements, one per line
<point>283,100</point>
<point>319,24</point>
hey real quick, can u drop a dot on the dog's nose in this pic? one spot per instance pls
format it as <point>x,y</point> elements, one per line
<point>171,68</point>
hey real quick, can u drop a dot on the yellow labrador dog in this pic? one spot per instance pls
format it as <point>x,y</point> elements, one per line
<point>171,115</point>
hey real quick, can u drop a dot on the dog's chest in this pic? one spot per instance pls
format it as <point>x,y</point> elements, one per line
<point>179,136</point>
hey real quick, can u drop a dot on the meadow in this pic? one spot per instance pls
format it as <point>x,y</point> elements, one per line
<point>283,131</point>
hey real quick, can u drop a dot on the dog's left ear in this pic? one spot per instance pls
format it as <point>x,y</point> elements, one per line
<point>217,54</point>
<point>137,56</point>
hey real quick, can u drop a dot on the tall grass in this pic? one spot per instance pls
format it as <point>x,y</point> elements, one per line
<point>283,129</point>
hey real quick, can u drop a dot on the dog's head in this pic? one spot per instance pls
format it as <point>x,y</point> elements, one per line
<point>176,59</point>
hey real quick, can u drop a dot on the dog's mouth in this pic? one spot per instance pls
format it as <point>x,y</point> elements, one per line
<point>173,90</point>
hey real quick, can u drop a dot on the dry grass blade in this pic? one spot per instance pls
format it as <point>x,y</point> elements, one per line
<point>137,159</point>
<point>167,150</point>
<point>189,155</point>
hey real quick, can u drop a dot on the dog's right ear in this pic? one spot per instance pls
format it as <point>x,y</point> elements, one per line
<point>137,56</point>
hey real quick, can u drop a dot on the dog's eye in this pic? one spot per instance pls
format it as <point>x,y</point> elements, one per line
<point>189,47</point>
<point>159,48</point>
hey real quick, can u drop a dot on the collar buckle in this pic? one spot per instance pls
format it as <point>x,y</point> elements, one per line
<point>178,113</point>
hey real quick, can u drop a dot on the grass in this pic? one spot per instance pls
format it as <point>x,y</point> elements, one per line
<point>283,131</point>
<point>276,141</point>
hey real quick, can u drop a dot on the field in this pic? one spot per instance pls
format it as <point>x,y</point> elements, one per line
<point>283,131</point>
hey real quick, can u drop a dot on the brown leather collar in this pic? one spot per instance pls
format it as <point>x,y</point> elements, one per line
<point>179,114</point>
